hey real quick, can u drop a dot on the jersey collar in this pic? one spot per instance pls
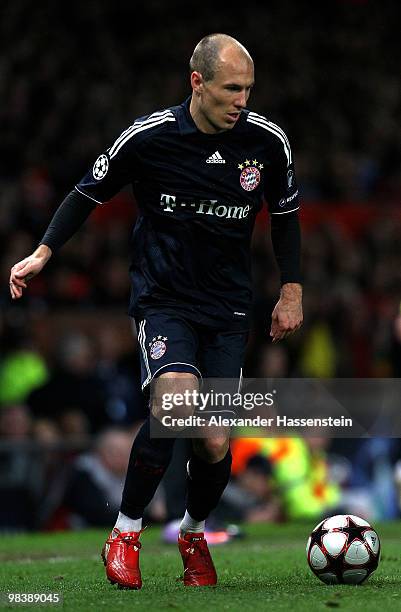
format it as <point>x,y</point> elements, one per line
<point>187,125</point>
<point>185,122</point>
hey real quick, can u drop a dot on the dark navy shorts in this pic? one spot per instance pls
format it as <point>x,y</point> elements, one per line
<point>171,343</point>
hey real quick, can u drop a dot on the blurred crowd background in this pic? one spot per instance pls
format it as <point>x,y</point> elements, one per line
<point>71,79</point>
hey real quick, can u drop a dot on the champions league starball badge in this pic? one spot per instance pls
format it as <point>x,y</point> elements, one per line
<point>250,174</point>
<point>157,347</point>
<point>100,167</point>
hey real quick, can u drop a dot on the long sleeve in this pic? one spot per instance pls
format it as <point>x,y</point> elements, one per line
<point>68,218</point>
<point>286,240</point>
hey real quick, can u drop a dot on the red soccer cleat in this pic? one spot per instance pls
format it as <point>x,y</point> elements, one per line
<point>120,555</point>
<point>198,565</point>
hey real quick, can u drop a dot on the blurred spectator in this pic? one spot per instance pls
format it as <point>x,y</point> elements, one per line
<point>73,384</point>
<point>15,422</point>
<point>22,368</point>
<point>318,358</point>
<point>21,372</point>
<point>18,472</point>
<point>74,426</point>
<point>273,361</point>
<point>251,496</point>
<point>94,486</point>
<point>370,490</point>
<point>46,432</point>
<point>300,477</point>
<point>395,335</point>
<point>119,372</point>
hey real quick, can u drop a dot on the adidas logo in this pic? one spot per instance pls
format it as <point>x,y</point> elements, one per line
<point>216,158</point>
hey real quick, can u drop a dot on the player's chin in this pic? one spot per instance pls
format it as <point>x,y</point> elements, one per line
<point>228,125</point>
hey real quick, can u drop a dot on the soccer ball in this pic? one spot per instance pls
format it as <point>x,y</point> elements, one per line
<point>343,549</point>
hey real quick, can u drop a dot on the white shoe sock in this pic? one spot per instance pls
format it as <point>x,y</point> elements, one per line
<point>190,524</point>
<point>124,523</point>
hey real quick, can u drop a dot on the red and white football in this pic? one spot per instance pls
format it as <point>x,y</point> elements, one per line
<point>343,549</point>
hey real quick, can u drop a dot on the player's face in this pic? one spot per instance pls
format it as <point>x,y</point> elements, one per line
<point>220,101</point>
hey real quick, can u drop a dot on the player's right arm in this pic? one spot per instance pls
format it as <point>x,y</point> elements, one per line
<point>111,171</point>
<point>69,217</point>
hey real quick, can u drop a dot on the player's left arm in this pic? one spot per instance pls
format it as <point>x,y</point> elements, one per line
<point>281,193</point>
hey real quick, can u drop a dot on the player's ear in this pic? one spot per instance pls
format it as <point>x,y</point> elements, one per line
<point>197,82</point>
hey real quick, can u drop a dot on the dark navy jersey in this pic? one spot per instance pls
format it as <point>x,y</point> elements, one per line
<point>198,195</point>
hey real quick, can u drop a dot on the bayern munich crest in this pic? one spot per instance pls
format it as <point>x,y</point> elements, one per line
<point>250,174</point>
<point>157,347</point>
<point>100,167</point>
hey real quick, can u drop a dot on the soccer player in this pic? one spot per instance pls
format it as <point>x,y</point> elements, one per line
<point>200,172</point>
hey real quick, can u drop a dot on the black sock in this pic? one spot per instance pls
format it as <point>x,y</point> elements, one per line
<point>148,461</point>
<point>206,483</point>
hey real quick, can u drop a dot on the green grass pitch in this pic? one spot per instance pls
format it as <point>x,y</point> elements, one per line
<point>266,570</point>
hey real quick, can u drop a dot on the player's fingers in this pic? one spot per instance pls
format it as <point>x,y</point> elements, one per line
<point>19,265</point>
<point>24,271</point>
<point>19,275</point>
<point>274,329</point>
<point>294,328</point>
<point>16,292</point>
<point>282,327</point>
<point>13,274</point>
<point>18,282</point>
<point>279,335</point>
<point>291,327</point>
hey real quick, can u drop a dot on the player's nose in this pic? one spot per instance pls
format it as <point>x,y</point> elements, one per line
<point>240,100</point>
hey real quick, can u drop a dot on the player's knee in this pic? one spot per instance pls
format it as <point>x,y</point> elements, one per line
<point>212,449</point>
<point>173,394</point>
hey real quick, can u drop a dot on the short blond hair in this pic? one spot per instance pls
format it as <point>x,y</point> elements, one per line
<point>205,57</point>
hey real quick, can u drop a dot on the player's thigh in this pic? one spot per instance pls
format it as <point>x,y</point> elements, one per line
<point>221,354</point>
<point>168,344</point>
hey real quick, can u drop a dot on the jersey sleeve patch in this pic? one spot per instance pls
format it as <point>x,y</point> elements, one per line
<point>119,165</point>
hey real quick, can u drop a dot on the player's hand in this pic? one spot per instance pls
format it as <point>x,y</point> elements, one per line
<point>287,315</point>
<point>24,270</point>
